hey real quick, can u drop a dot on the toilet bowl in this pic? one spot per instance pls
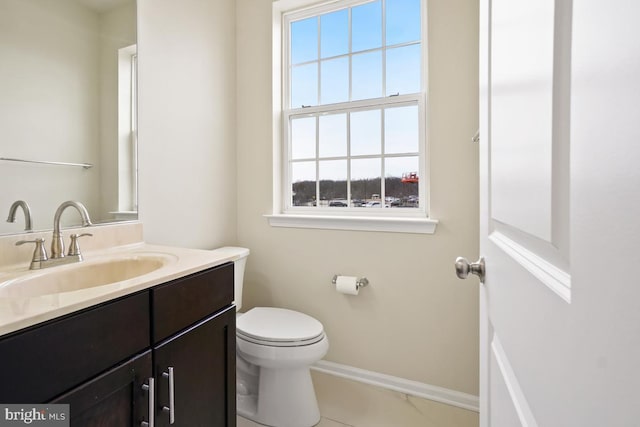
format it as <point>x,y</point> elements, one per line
<point>274,349</point>
<point>282,344</point>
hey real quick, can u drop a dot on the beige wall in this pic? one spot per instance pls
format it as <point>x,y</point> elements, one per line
<point>199,75</point>
<point>187,154</point>
<point>416,320</point>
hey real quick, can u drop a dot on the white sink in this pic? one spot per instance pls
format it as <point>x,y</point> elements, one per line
<point>84,275</point>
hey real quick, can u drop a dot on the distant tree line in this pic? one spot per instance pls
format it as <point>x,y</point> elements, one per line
<point>304,192</point>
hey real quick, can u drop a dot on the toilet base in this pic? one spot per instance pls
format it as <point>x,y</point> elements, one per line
<point>285,398</point>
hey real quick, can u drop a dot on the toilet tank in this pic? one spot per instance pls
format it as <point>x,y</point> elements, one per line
<point>239,257</point>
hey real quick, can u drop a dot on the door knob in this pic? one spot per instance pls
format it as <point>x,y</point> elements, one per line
<point>463,268</point>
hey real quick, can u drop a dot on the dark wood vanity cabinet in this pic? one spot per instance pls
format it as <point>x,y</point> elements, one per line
<point>198,346</point>
<point>40,363</point>
<point>100,360</point>
<point>203,362</point>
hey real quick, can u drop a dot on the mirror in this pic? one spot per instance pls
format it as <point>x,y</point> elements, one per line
<point>68,109</point>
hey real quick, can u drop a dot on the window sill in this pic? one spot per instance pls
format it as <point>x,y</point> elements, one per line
<point>393,225</point>
<point>125,215</point>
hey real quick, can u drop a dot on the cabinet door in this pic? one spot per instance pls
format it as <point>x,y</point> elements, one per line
<point>115,398</point>
<point>204,367</point>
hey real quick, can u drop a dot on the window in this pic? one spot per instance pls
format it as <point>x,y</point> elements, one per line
<point>354,110</point>
<point>127,133</point>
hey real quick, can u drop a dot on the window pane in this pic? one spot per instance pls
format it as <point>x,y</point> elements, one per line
<point>403,70</point>
<point>333,135</point>
<point>401,130</point>
<point>304,40</point>
<point>366,26</point>
<point>304,85</point>
<point>334,85</point>
<point>366,133</point>
<point>365,183</point>
<point>401,182</point>
<point>334,33</point>
<point>333,183</point>
<point>366,81</point>
<point>338,153</point>
<point>403,21</point>
<point>303,183</point>
<point>303,138</point>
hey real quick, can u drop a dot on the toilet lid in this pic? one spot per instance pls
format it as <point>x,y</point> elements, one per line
<point>278,325</point>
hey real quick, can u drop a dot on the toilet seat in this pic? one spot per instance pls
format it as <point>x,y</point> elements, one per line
<point>278,327</point>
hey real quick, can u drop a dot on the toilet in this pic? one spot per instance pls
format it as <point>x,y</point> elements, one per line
<point>274,349</point>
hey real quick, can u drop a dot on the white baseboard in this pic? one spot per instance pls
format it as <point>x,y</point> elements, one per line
<point>412,388</point>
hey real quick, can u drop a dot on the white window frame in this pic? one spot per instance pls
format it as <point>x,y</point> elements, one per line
<point>409,220</point>
<point>127,133</point>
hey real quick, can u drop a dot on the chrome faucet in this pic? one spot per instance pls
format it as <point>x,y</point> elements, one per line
<point>40,258</point>
<point>57,243</point>
<point>25,210</point>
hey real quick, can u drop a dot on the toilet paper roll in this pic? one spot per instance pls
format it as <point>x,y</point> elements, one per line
<point>347,285</point>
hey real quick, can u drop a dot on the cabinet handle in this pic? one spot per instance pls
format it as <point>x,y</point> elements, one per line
<point>152,403</point>
<point>172,405</point>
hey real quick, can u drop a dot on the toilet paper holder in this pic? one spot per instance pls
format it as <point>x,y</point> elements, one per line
<point>360,283</point>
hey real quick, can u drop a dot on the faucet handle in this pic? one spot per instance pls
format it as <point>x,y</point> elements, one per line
<point>40,253</point>
<point>74,248</point>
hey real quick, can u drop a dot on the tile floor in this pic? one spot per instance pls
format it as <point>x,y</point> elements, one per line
<point>352,404</point>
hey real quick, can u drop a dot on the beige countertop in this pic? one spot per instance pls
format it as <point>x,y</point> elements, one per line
<point>20,312</point>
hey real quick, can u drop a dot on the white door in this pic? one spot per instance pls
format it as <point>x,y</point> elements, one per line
<point>560,213</point>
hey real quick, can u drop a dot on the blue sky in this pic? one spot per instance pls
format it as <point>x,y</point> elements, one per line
<point>320,45</point>
<point>326,38</point>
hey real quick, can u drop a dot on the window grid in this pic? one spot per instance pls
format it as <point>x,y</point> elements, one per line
<point>317,159</point>
<point>320,60</point>
<point>382,157</point>
<point>384,49</point>
<point>348,107</point>
<point>319,65</point>
<point>349,157</point>
<point>350,47</point>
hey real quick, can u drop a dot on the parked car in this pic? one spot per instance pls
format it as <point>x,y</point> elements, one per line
<point>338,204</point>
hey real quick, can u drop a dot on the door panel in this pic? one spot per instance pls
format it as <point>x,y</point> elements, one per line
<point>506,393</point>
<point>528,203</point>
<point>506,414</point>
<point>521,121</point>
<point>559,213</point>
